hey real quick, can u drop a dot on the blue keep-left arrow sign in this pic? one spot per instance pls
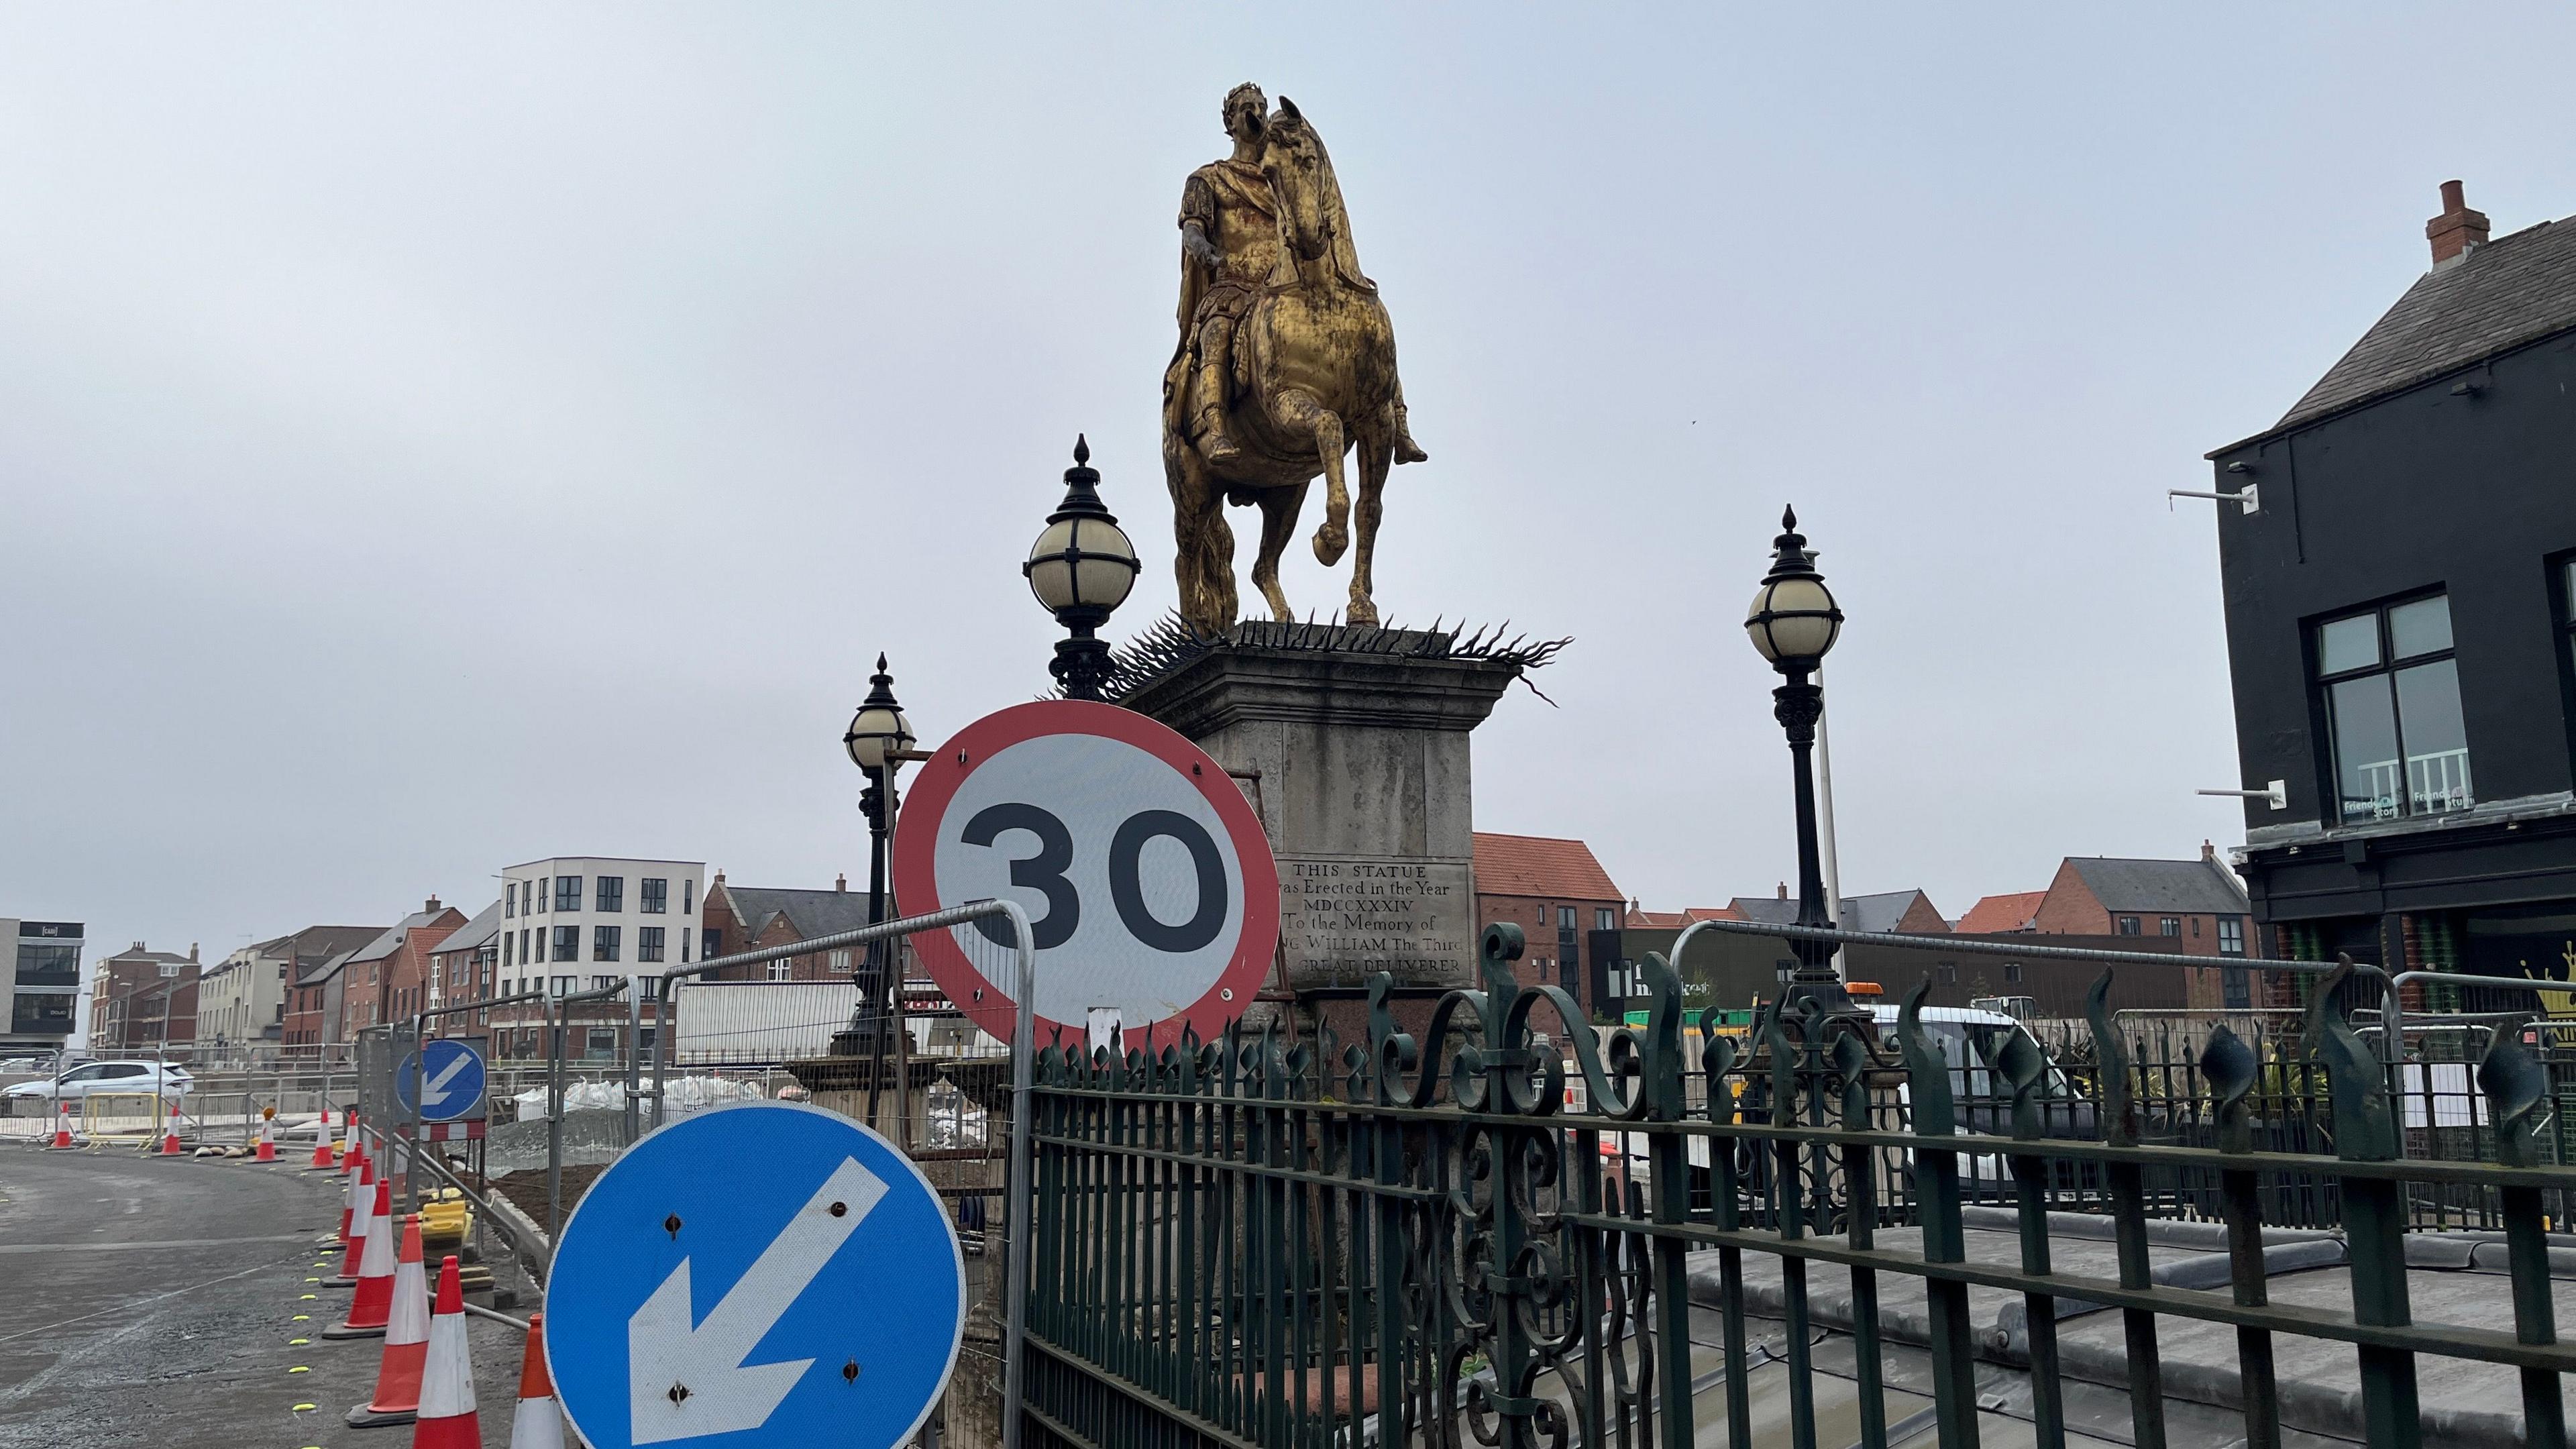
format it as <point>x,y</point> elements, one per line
<point>762,1275</point>
<point>442,1082</point>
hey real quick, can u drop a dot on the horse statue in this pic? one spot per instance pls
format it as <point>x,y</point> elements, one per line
<point>1286,364</point>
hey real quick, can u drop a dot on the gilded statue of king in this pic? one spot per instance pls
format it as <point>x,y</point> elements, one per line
<point>1285,362</point>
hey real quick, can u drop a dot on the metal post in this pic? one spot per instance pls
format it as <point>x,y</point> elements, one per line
<point>664,993</point>
<point>902,1029</point>
<point>880,797</point>
<point>1015,1271</point>
<point>418,1133</point>
<point>1832,859</point>
<point>554,1125</point>
<point>634,1065</point>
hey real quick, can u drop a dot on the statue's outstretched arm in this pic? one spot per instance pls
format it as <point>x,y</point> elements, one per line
<point>1195,243</point>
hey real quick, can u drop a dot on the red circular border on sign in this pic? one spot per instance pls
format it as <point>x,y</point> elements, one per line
<point>916,884</point>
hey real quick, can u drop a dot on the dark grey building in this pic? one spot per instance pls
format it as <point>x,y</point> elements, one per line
<point>42,988</point>
<point>2399,627</point>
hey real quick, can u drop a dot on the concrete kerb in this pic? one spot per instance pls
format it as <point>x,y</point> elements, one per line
<point>528,1242</point>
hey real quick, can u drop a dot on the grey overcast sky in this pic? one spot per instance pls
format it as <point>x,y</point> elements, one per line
<point>433,440</point>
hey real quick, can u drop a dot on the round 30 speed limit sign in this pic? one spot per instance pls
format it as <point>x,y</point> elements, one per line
<point>1149,886</point>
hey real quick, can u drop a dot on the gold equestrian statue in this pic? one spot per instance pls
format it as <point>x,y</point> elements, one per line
<point>1286,361</point>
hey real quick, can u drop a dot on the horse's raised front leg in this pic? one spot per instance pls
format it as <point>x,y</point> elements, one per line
<point>1376,453</point>
<point>1279,509</point>
<point>1298,412</point>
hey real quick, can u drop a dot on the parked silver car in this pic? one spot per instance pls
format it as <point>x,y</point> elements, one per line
<point>164,1079</point>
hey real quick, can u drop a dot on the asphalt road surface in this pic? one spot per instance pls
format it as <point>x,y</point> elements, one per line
<point>150,1302</point>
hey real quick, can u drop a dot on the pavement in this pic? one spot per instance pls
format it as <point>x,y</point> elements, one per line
<point>177,1303</point>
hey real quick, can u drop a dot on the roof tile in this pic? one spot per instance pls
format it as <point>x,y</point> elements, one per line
<point>2510,291</point>
<point>1536,865</point>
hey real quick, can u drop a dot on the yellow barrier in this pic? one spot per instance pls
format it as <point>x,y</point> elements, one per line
<point>123,1116</point>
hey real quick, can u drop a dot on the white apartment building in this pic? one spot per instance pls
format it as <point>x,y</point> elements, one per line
<point>580,921</point>
<point>241,1000</point>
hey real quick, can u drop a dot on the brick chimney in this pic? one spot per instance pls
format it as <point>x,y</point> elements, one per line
<point>2457,229</point>
<point>1784,890</point>
<point>431,906</point>
<point>840,881</point>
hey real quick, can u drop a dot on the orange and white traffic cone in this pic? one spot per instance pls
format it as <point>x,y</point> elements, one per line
<point>446,1419</point>
<point>267,1138</point>
<point>362,1192</point>
<point>62,1128</point>
<point>170,1138</point>
<point>372,1306</point>
<point>538,1424</point>
<point>321,1143</point>
<point>406,1341</point>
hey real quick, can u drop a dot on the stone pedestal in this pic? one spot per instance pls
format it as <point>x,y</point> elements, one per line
<point>1352,746</point>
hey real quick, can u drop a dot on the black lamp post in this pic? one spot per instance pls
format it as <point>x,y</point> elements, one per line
<point>1793,622</point>
<point>1081,568</point>
<point>877,740</point>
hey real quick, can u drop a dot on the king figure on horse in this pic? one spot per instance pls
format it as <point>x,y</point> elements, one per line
<point>1286,361</point>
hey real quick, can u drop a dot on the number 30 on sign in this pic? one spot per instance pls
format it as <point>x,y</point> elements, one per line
<point>1148,883</point>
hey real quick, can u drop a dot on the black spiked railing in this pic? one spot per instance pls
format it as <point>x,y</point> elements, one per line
<point>1495,1224</point>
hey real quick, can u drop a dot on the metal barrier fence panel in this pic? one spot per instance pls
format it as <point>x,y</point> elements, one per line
<point>1414,1240</point>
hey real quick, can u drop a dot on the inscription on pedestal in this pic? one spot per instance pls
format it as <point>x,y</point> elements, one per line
<point>1342,918</point>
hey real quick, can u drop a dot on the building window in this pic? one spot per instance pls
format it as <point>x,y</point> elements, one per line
<point>2169,925</point>
<point>1604,919</point>
<point>525,955</point>
<point>648,943</point>
<point>2392,700</point>
<point>603,943</point>
<point>782,970</point>
<point>688,895</point>
<point>567,892</point>
<point>2564,576</point>
<point>2231,935</point>
<point>840,963</point>
<point>1949,973</point>
<point>2236,989</point>
<point>506,958</point>
<point>710,944</point>
<point>537,895</point>
<point>1565,918</point>
<point>2012,973</point>
<point>611,895</point>
<point>2127,925</point>
<point>564,984</point>
<point>509,899</point>
<point>567,943</point>
<point>653,895</point>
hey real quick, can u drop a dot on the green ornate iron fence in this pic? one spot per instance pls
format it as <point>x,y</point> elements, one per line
<point>1417,1241</point>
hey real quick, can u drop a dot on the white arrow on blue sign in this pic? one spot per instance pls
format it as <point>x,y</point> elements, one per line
<point>443,1081</point>
<point>774,1274</point>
